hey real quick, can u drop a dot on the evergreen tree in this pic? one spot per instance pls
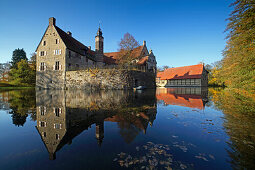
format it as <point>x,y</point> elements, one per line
<point>17,56</point>
<point>238,65</point>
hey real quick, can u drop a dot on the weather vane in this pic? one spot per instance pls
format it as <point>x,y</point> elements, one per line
<point>100,23</point>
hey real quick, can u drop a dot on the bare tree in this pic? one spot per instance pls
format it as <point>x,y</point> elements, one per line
<point>127,44</point>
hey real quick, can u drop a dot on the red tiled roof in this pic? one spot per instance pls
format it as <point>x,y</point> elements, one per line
<point>186,100</point>
<point>135,121</point>
<point>109,60</point>
<point>143,60</point>
<point>114,55</point>
<point>186,72</point>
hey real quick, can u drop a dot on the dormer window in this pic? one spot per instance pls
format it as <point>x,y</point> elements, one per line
<point>57,41</point>
<point>44,43</point>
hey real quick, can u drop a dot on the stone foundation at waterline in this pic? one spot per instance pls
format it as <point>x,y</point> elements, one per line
<point>108,79</point>
<point>95,79</point>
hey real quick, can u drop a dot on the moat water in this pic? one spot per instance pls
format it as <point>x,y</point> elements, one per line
<point>167,128</point>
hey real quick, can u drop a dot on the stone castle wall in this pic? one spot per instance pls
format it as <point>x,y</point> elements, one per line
<point>109,79</point>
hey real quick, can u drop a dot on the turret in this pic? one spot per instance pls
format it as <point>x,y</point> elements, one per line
<point>100,132</point>
<point>99,47</point>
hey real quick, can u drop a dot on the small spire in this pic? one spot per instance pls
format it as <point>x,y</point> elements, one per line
<point>99,23</point>
<point>99,32</point>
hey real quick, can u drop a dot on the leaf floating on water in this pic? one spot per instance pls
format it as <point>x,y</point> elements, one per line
<point>175,136</point>
<point>168,168</point>
<point>201,157</point>
<point>211,156</point>
<point>182,166</point>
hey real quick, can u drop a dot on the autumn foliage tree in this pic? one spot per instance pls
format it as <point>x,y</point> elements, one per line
<point>238,65</point>
<point>23,74</point>
<point>127,44</point>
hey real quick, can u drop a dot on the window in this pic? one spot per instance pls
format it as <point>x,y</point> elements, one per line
<point>87,60</point>
<point>42,110</point>
<point>183,82</point>
<point>42,67</point>
<point>42,124</point>
<point>192,81</point>
<point>57,65</point>
<point>57,136</point>
<point>42,53</point>
<point>44,134</point>
<point>44,43</point>
<point>57,41</point>
<point>57,126</point>
<point>69,64</point>
<point>57,111</point>
<point>57,52</point>
<point>69,54</point>
<point>77,65</point>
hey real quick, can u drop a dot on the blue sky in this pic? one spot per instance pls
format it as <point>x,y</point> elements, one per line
<point>180,32</point>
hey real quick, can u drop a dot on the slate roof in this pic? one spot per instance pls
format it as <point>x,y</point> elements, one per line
<point>186,72</point>
<point>74,45</point>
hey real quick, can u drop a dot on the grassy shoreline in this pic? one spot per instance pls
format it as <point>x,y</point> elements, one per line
<point>7,86</point>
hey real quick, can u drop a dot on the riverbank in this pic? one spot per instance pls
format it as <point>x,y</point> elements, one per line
<point>8,86</point>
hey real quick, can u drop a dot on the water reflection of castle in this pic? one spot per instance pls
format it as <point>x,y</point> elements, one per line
<point>62,115</point>
<point>187,97</point>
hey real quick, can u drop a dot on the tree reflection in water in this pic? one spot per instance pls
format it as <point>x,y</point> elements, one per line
<point>21,104</point>
<point>239,109</point>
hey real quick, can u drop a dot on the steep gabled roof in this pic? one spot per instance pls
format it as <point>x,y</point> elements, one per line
<point>143,60</point>
<point>71,43</point>
<point>136,53</point>
<point>186,72</point>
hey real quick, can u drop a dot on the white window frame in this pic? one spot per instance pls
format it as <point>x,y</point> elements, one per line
<point>57,52</point>
<point>57,126</point>
<point>44,53</point>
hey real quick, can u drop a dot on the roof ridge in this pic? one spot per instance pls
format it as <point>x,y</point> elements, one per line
<point>70,36</point>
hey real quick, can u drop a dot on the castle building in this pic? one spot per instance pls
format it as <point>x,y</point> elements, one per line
<point>59,52</point>
<point>62,115</point>
<point>187,76</point>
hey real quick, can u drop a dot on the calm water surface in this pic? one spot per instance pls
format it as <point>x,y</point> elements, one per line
<point>170,128</point>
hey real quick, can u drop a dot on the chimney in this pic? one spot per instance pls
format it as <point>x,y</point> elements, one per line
<point>144,43</point>
<point>69,33</point>
<point>89,47</point>
<point>52,21</point>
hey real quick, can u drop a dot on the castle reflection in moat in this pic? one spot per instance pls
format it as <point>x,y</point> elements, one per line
<point>62,115</point>
<point>186,97</point>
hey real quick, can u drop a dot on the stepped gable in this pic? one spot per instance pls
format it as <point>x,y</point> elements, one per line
<point>186,72</point>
